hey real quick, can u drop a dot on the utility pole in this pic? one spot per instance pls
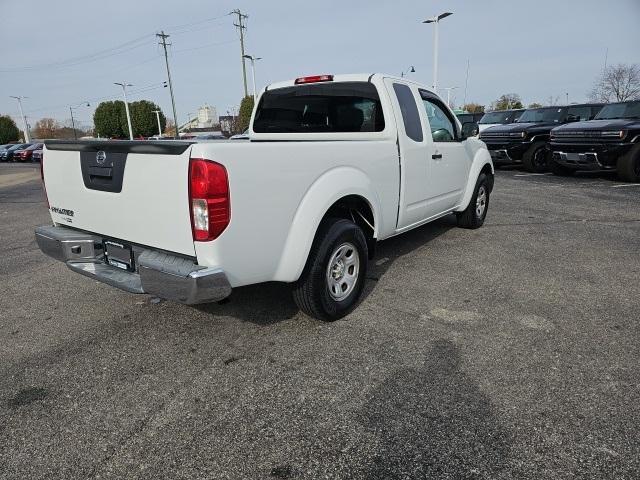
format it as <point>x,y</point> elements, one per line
<point>242,28</point>
<point>73,123</point>
<point>436,22</point>
<point>124,86</point>
<point>27,138</point>
<point>157,112</point>
<point>163,41</point>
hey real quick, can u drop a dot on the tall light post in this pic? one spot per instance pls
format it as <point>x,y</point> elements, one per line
<point>27,138</point>
<point>73,123</point>
<point>124,86</point>
<point>253,72</point>
<point>157,112</point>
<point>436,21</point>
<point>448,89</point>
<point>411,69</point>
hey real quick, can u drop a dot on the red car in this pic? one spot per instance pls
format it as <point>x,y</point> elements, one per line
<point>26,154</point>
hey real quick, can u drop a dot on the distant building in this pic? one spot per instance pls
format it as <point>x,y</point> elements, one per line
<point>204,121</point>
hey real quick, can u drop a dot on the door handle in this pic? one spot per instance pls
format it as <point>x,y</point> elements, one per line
<point>437,156</point>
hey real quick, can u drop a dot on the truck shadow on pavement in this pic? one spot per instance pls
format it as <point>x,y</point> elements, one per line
<point>433,421</point>
<point>269,303</point>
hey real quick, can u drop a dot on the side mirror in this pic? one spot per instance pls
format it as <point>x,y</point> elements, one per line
<point>469,129</point>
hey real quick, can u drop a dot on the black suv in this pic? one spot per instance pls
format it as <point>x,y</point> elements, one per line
<point>526,140</point>
<point>609,142</point>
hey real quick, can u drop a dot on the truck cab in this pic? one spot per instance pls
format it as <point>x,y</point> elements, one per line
<point>525,141</point>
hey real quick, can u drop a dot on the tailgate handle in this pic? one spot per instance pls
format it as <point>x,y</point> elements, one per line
<point>104,172</point>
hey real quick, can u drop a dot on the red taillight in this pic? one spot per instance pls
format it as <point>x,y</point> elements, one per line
<point>314,79</point>
<point>44,187</point>
<point>208,199</point>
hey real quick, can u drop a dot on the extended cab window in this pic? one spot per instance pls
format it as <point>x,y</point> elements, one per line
<point>410,114</point>
<point>442,124</point>
<point>320,108</point>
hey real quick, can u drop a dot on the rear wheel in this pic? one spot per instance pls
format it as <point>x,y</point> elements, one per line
<point>332,281</point>
<point>629,165</point>
<point>475,213</point>
<point>536,158</point>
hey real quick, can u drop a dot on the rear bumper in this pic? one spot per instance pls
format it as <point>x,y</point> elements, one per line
<point>158,273</point>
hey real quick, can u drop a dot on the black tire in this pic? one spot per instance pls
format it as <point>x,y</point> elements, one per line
<point>560,170</point>
<point>536,158</point>
<point>629,165</point>
<point>312,292</point>
<point>470,218</point>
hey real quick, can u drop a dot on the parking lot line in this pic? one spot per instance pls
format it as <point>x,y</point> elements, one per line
<point>533,174</point>
<point>626,185</point>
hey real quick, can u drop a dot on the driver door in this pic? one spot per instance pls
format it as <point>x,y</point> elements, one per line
<point>450,164</point>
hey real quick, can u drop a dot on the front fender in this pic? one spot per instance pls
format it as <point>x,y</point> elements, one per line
<point>330,187</point>
<point>481,158</point>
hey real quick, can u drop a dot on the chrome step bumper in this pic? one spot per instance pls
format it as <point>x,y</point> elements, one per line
<point>158,273</point>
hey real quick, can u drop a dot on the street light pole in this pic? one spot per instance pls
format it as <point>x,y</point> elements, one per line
<point>157,112</point>
<point>124,86</point>
<point>436,21</point>
<point>27,138</point>
<point>253,72</point>
<point>411,69</point>
<point>448,89</point>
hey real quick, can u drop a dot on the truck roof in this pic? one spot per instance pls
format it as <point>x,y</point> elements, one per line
<point>348,77</point>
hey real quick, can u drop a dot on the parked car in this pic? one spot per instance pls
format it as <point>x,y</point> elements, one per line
<point>499,117</point>
<point>609,142</point>
<point>25,154</point>
<point>7,155</point>
<point>526,140</point>
<point>469,117</point>
<point>334,164</point>
<point>36,156</point>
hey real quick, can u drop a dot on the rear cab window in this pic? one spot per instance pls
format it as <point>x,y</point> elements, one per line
<point>320,108</point>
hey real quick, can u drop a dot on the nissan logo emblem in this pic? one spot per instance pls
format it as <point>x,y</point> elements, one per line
<point>101,157</point>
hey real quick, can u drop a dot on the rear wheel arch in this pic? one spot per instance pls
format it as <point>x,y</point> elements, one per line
<point>341,193</point>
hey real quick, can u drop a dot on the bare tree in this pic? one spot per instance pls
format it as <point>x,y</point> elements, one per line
<point>617,83</point>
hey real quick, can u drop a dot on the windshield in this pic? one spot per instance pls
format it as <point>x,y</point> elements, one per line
<point>619,110</point>
<point>322,107</point>
<point>542,115</point>
<point>496,117</point>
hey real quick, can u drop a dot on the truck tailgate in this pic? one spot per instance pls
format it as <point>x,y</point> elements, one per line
<point>132,191</point>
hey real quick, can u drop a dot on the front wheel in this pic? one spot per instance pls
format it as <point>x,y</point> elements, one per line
<point>629,165</point>
<point>536,158</point>
<point>332,280</point>
<point>475,213</point>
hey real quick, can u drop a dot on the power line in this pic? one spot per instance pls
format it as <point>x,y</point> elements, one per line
<point>71,62</point>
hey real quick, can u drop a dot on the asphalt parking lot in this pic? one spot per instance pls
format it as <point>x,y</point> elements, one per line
<point>507,352</point>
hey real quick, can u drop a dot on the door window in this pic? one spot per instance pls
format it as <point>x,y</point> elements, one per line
<point>579,114</point>
<point>442,125</point>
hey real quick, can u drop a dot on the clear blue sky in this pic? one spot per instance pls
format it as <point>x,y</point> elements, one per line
<point>536,48</point>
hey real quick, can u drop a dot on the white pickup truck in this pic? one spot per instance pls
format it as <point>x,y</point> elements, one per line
<point>334,164</point>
